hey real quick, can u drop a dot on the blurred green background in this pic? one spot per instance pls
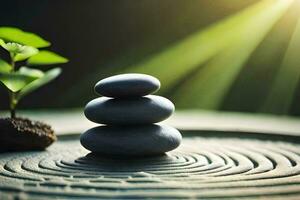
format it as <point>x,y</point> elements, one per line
<point>232,55</point>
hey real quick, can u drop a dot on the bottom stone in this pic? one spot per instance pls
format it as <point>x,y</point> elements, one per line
<point>131,140</point>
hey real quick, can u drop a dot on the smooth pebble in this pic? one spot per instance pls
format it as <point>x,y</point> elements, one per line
<point>127,85</point>
<point>132,140</point>
<point>140,110</point>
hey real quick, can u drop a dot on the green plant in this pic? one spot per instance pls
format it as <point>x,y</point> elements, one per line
<point>16,76</point>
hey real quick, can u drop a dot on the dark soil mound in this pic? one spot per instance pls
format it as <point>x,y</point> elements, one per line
<point>21,134</point>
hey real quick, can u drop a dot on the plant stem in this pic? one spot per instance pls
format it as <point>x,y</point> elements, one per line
<point>12,62</point>
<point>12,95</point>
<point>12,104</point>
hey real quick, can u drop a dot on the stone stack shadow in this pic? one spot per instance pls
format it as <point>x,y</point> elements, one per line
<point>129,114</point>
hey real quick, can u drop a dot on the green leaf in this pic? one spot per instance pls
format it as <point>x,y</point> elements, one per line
<point>31,72</point>
<point>4,66</point>
<point>26,38</point>
<point>46,58</point>
<point>13,47</point>
<point>16,81</point>
<point>26,53</point>
<point>19,52</point>
<point>1,42</point>
<point>48,76</point>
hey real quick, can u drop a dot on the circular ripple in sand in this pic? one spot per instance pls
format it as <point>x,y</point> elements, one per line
<point>200,168</point>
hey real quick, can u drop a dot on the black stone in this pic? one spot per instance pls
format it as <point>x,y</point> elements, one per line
<point>127,85</point>
<point>131,140</point>
<point>139,110</point>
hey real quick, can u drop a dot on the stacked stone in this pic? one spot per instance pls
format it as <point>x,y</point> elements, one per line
<point>129,113</point>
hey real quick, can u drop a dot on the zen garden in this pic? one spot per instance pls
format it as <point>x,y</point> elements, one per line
<point>150,99</point>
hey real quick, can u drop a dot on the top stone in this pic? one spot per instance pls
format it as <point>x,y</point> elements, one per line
<point>127,85</point>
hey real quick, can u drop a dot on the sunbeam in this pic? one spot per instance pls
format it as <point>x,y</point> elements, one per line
<point>255,78</point>
<point>211,83</point>
<point>175,62</point>
<point>286,80</point>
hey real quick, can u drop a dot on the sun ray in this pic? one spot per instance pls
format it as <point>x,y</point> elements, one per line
<point>255,78</point>
<point>211,83</point>
<point>178,60</point>
<point>286,80</point>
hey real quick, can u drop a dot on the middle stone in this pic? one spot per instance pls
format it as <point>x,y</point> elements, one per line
<point>140,110</point>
